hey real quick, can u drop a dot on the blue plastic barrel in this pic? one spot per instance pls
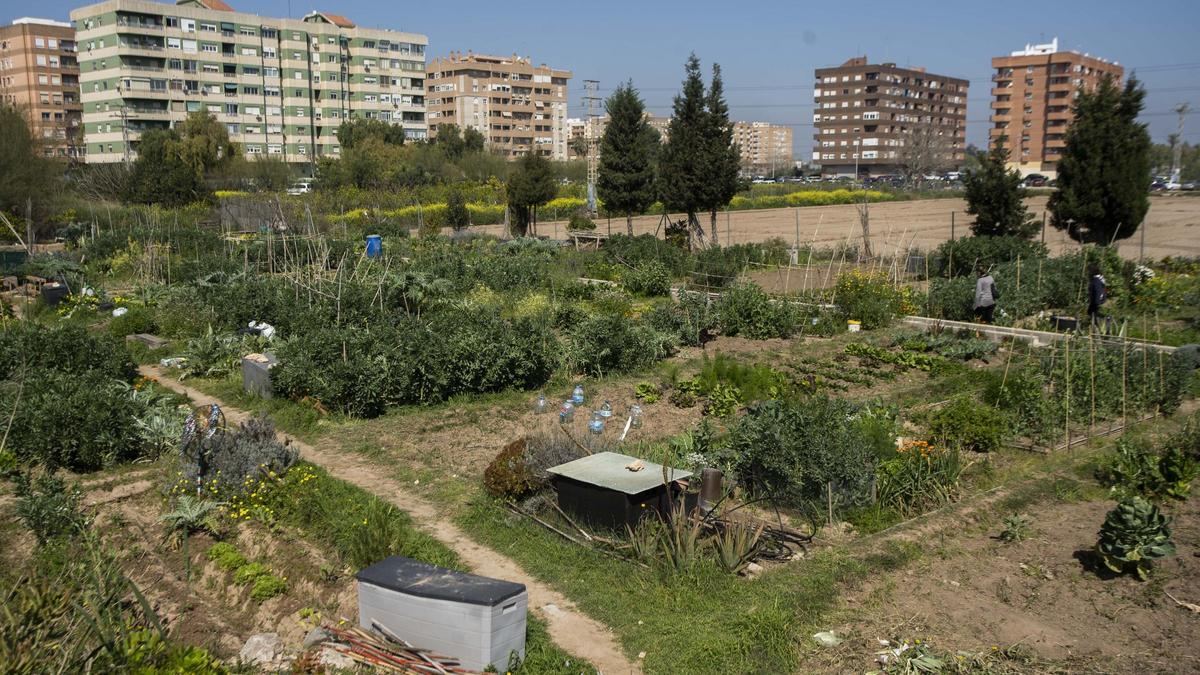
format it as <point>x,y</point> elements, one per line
<point>374,246</point>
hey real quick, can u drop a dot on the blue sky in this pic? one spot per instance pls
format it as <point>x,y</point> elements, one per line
<point>768,49</point>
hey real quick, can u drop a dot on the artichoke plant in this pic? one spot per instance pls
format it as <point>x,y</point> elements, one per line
<point>1133,534</point>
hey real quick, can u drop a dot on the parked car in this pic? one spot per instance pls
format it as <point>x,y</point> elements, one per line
<point>1158,186</point>
<point>301,187</point>
<point>1034,180</point>
<point>1190,185</point>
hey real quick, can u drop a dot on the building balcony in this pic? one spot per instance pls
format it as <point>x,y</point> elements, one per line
<point>141,49</point>
<point>134,93</point>
<point>137,26</point>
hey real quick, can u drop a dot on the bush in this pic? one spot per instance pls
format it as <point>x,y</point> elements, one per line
<point>869,297</point>
<point>690,320</point>
<point>647,279</point>
<point>62,347</point>
<point>1134,534</point>
<point>920,477</point>
<point>960,257</point>
<point>646,248</point>
<point>135,320</point>
<point>966,424</point>
<point>508,476</point>
<point>791,451</point>
<point>1135,470</point>
<point>231,458</point>
<point>580,222</point>
<point>80,421</point>
<point>48,507</point>
<point>249,572</point>
<point>608,343</point>
<point>745,310</point>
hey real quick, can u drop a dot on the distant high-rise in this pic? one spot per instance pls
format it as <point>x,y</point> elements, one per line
<point>517,106</point>
<point>1032,91</point>
<point>882,119</point>
<point>766,148</point>
<point>40,76</point>
<point>282,87</point>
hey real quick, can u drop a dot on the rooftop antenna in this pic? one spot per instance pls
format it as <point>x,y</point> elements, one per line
<point>591,100</point>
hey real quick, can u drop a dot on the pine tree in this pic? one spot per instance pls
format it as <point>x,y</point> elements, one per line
<point>1103,175</point>
<point>530,185</point>
<point>627,153</point>
<point>995,196</point>
<point>681,174</point>
<point>722,159</point>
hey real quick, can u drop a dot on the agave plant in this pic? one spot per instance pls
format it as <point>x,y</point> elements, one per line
<point>1134,533</point>
<point>737,545</point>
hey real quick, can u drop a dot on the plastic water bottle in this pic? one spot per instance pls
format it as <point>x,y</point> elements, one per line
<point>635,416</point>
<point>577,396</point>
<point>596,425</point>
<point>566,412</point>
<point>606,410</point>
<point>539,406</point>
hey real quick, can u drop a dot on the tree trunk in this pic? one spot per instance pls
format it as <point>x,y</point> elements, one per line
<point>629,223</point>
<point>713,215</point>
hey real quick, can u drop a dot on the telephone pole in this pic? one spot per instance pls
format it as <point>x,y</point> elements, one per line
<point>591,101</point>
<point>1177,156</point>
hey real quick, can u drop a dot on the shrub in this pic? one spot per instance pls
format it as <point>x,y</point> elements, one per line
<point>869,297</point>
<point>608,343</point>
<point>214,355</point>
<point>232,458</point>
<point>80,421</point>
<point>1132,536</point>
<point>647,279</point>
<point>249,572</point>
<point>135,320</point>
<point>509,475</point>
<point>580,222</point>
<point>63,347</point>
<point>543,451</point>
<point>1021,395</point>
<point>267,586</point>
<point>790,451</point>
<point>960,257</point>
<point>646,248</point>
<point>226,556</point>
<point>690,320</point>
<point>48,507</point>
<point>966,424</point>
<point>1135,470</point>
<point>745,310</point>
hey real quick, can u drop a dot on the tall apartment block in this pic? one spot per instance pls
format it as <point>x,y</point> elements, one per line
<point>281,86</point>
<point>517,106</point>
<point>40,75</point>
<point>877,119</point>
<point>577,128</point>
<point>1032,91</point>
<point>766,148</point>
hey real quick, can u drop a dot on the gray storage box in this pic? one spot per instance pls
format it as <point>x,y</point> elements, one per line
<point>478,620</point>
<point>256,375</point>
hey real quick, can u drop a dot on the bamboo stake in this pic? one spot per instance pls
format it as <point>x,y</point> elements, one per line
<point>1092,356</point>
<point>1067,393</point>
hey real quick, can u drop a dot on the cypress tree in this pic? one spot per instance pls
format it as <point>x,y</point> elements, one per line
<point>1104,172</point>
<point>995,196</point>
<point>627,153</point>
<point>681,174</point>
<point>457,215</point>
<point>530,185</point>
<point>722,160</point>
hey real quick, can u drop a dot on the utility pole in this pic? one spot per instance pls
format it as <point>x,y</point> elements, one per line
<point>591,101</point>
<point>1177,157</point>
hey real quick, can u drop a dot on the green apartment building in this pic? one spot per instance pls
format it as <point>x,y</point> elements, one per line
<point>281,86</point>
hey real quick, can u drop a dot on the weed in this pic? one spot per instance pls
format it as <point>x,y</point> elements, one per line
<point>267,586</point>
<point>226,556</point>
<point>647,392</point>
<point>48,507</point>
<point>249,572</point>
<point>1016,528</point>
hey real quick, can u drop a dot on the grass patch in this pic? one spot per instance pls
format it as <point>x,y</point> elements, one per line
<point>701,621</point>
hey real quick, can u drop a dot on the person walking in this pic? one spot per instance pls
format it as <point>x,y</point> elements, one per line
<point>1097,294</point>
<point>986,296</point>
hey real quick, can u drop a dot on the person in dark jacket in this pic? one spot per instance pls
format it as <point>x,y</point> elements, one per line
<point>986,296</point>
<point>1097,294</point>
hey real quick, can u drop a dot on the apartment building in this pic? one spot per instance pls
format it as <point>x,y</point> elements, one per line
<point>1032,92</point>
<point>39,75</point>
<point>281,86</point>
<point>766,148</point>
<point>877,119</point>
<point>577,128</point>
<point>517,106</point>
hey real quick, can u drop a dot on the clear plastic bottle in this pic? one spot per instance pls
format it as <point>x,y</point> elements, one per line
<point>635,416</point>
<point>606,410</point>
<point>539,405</point>
<point>566,412</point>
<point>596,425</point>
<point>577,397</point>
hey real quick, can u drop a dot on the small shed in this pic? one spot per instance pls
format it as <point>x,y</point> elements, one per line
<point>478,620</point>
<point>603,491</point>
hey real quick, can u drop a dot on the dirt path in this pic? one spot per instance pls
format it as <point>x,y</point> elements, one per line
<point>1172,225</point>
<point>572,630</point>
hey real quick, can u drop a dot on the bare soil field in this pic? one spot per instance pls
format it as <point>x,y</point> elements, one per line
<point>1172,225</point>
